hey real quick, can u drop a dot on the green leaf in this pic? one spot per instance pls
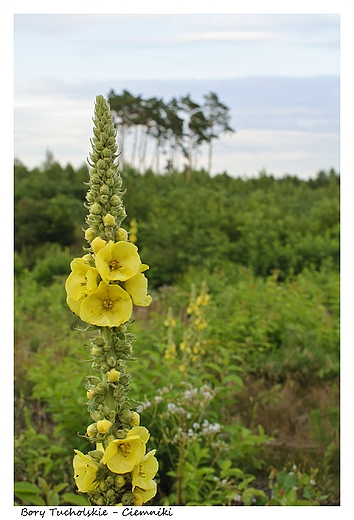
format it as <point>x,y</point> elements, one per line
<point>76,500</point>
<point>60,487</point>
<point>26,487</point>
<point>31,498</point>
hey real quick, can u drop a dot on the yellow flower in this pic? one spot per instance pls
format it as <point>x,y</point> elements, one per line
<point>144,472</point>
<point>122,455</point>
<point>142,496</point>
<point>80,282</point>
<point>85,472</point>
<point>103,426</point>
<point>136,286</point>
<point>108,306</point>
<point>113,375</point>
<point>118,261</point>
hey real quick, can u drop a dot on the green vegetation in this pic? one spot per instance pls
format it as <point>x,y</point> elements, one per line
<point>243,410</point>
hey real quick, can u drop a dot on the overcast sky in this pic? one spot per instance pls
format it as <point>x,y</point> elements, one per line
<point>279,75</point>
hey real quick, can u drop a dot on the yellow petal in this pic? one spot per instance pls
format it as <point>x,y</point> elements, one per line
<point>85,472</point>
<point>108,306</point>
<point>118,261</point>
<point>137,288</point>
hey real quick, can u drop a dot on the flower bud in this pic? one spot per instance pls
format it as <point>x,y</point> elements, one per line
<point>90,394</point>
<point>109,220</point>
<point>113,375</point>
<point>90,234</point>
<point>104,189</point>
<point>122,328</point>
<point>101,388</point>
<point>119,481</point>
<point>115,200</point>
<point>111,361</point>
<point>96,416</point>
<point>135,421</point>
<point>92,430</point>
<point>138,501</point>
<point>97,244</point>
<point>103,426</point>
<point>103,486</point>
<point>110,173</point>
<point>121,234</point>
<point>96,209</point>
<point>128,499</point>
<point>95,351</point>
<point>118,392</point>
<point>94,178</point>
<point>125,416</point>
<point>109,481</point>
<point>101,165</point>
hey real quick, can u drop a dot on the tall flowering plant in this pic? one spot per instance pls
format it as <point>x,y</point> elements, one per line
<point>102,288</point>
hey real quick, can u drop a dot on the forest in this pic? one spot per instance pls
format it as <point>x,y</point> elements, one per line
<point>242,403</point>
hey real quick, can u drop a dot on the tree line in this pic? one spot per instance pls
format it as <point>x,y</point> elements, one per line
<point>178,128</point>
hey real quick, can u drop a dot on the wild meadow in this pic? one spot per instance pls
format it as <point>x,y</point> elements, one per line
<point>236,374</point>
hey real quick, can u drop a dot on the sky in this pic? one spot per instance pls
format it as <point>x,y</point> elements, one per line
<point>278,74</point>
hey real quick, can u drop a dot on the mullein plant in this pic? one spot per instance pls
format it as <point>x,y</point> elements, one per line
<point>101,289</point>
<point>193,345</point>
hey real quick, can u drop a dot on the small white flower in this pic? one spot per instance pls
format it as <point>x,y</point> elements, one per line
<point>312,482</point>
<point>196,426</point>
<point>158,399</point>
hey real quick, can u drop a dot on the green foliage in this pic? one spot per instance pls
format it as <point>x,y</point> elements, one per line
<point>267,250</point>
<point>261,223</point>
<point>293,488</point>
<point>45,495</point>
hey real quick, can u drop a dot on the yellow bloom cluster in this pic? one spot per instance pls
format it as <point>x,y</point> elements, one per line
<point>103,286</point>
<point>126,461</point>
<point>133,231</point>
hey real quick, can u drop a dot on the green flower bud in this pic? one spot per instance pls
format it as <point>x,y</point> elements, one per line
<point>95,179</point>
<point>96,416</point>
<point>104,189</point>
<point>110,173</point>
<point>115,200</point>
<point>126,416</point>
<point>128,499</point>
<point>92,430</point>
<point>111,361</point>
<point>95,351</point>
<point>103,486</point>
<point>106,152</point>
<point>101,165</point>
<point>96,209</point>
<point>96,454</point>
<point>101,388</point>
<point>90,234</point>
<point>109,220</point>
<point>93,380</point>
<point>109,481</point>
<point>119,481</point>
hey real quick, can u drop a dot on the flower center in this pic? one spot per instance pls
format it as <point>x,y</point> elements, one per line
<point>142,473</point>
<point>107,303</point>
<point>114,264</point>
